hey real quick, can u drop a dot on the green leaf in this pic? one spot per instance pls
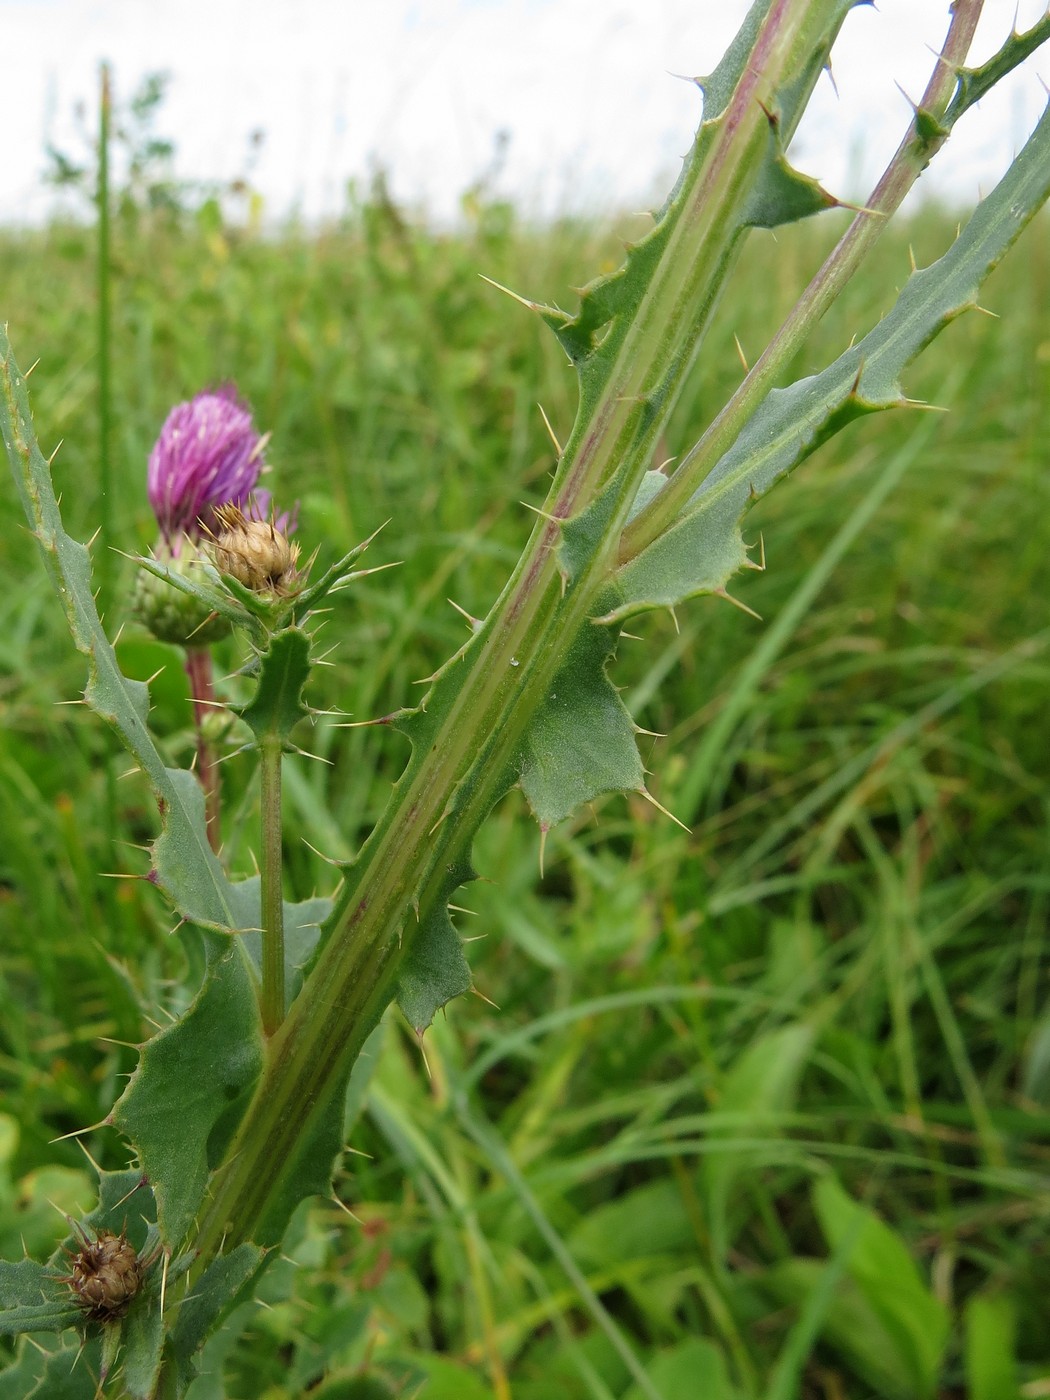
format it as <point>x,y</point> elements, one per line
<point>212,1294</point>
<point>142,1335</point>
<point>580,742</point>
<point>433,970</point>
<point>277,706</point>
<point>991,1348</point>
<point>302,928</point>
<point>703,547</point>
<point>191,1080</point>
<point>308,1168</point>
<point>849,1324</point>
<point>648,1220</point>
<point>916,1324</point>
<point>68,1375</point>
<point>32,1300</point>
<point>693,1370</point>
<point>186,866</point>
<point>758,1090</point>
<point>974,83</point>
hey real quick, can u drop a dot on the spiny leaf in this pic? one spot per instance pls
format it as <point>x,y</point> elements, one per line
<point>704,547</point>
<point>974,83</point>
<point>212,1294</point>
<point>142,1337</point>
<point>187,868</point>
<point>581,740</point>
<point>434,970</point>
<point>191,1080</point>
<point>778,195</point>
<point>33,1300</point>
<point>284,668</point>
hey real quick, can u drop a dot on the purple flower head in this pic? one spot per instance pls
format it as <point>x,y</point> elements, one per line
<point>260,507</point>
<point>208,453</point>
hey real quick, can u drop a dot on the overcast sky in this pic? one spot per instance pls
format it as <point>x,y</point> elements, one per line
<point>582,89</point>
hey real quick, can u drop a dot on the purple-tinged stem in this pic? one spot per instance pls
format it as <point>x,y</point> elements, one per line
<point>202,695</point>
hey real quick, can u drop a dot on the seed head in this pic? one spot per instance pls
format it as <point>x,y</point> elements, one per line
<point>106,1274</point>
<point>255,552</point>
<point>208,453</point>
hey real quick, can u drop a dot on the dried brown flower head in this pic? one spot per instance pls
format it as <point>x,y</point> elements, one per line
<point>254,552</point>
<point>106,1274</point>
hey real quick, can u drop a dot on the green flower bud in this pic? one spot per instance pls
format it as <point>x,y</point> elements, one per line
<point>170,614</point>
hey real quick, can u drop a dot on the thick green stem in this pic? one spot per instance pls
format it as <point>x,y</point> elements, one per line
<point>272,902</point>
<point>500,679</point>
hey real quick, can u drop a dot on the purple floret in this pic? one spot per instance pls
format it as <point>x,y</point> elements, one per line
<point>208,453</point>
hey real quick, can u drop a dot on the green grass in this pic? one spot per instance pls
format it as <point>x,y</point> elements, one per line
<point>622,1177</point>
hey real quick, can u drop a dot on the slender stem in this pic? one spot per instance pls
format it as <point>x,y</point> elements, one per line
<point>202,697</point>
<point>272,901</point>
<point>921,141</point>
<point>105,470</point>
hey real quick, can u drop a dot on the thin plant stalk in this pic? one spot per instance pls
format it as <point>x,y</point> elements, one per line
<point>272,902</point>
<point>105,470</point>
<point>202,697</point>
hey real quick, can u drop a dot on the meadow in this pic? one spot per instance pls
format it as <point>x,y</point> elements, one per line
<point>765,1102</point>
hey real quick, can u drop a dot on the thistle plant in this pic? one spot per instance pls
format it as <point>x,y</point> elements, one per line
<point>208,455</point>
<point>235,1113</point>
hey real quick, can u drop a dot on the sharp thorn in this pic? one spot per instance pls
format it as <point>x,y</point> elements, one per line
<point>661,808</point>
<point>557,445</point>
<point>721,593</point>
<point>522,301</point>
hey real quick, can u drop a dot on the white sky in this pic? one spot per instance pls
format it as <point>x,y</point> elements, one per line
<point>422,87</point>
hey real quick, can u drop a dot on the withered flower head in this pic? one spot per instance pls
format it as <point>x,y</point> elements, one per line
<point>106,1274</point>
<point>255,552</point>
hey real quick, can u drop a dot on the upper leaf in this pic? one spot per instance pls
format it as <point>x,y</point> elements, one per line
<point>703,547</point>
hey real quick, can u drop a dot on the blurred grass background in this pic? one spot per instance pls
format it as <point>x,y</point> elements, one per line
<point>764,1105</point>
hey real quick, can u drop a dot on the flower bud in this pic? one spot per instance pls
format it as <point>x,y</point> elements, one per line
<point>208,453</point>
<point>105,1276</point>
<point>170,614</point>
<point>254,552</point>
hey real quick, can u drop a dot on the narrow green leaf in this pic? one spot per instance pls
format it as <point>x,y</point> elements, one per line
<point>213,595</point>
<point>142,1337</point>
<point>991,1348</point>
<point>703,547</point>
<point>693,1370</point>
<point>974,83</point>
<point>191,1080</point>
<point>849,1324</point>
<point>915,1322</point>
<point>758,1090</point>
